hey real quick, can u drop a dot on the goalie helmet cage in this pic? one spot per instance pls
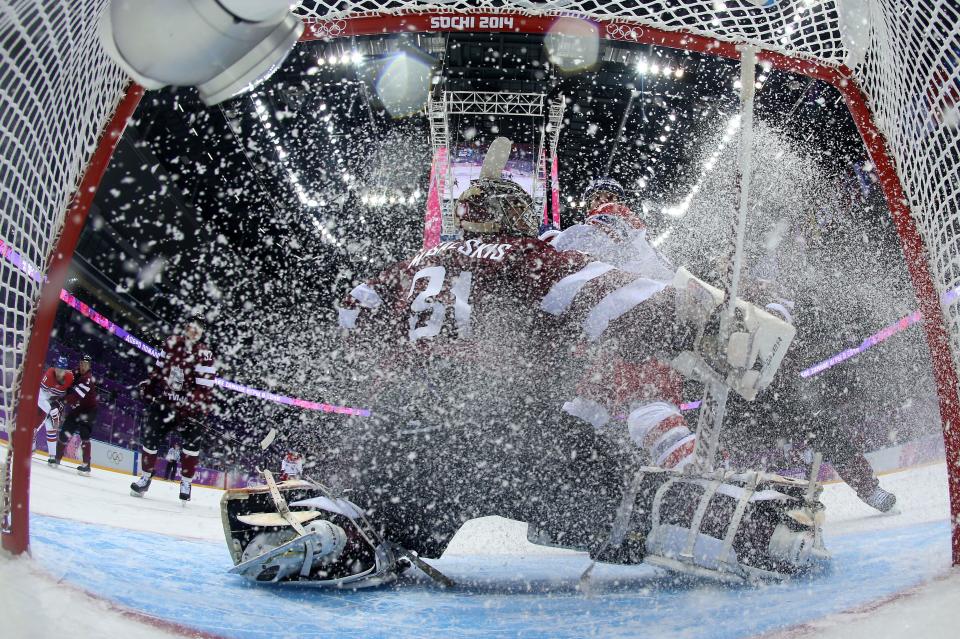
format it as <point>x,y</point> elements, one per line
<point>64,105</point>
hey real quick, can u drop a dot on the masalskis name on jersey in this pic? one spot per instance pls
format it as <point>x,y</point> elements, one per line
<point>476,249</point>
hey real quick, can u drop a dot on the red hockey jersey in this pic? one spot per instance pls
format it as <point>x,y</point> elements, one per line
<point>183,377</point>
<point>53,388</point>
<point>82,395</point>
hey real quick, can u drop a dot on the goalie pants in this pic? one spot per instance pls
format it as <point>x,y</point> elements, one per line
<point>427,472</point>
<point>159,423</point>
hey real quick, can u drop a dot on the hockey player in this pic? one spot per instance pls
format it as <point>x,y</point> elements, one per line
<point>53,388</point>
<point>81,402</point>
<point>600,191</point>
<point>292,466</point>
<point>648,391</point>
<point>179,395</point>
<point>475,345</point>
<point>172,457</point>
<point>808,413</point>
<point>613,233</point>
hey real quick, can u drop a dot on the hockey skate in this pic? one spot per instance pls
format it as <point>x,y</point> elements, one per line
<point>881,499</point>
<point>140,486</point>
<point>185,488</point>
<point>53,461</point>
<point>84,469</point>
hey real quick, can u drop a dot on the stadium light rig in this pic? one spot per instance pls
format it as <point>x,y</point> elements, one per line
<point>222,47</point>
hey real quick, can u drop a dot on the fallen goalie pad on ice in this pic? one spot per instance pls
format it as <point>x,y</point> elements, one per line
<point>308,538</point>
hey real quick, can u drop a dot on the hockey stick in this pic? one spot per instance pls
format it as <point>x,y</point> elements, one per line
<point>264,443</point>
<point>282,507</point>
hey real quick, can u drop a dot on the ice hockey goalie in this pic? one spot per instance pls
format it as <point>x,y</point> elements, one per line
<point>474,351</point>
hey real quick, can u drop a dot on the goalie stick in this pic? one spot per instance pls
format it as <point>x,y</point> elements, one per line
<point>715,393</point>
<point>282,507</point>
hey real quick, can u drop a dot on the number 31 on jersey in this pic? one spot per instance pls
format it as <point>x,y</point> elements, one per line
<point>428,313</point>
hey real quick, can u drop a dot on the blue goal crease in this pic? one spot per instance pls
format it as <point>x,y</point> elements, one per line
<point>186,582</point>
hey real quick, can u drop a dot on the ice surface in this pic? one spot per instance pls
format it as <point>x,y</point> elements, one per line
<point>165,561</point>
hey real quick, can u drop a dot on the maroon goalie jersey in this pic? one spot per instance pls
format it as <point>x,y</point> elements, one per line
<point>481,293</point>
<point>183,377</point>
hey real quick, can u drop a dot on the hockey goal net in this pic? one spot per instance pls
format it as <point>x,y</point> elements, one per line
<point>897,66</point>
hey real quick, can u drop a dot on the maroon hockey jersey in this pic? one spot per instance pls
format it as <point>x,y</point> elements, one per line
<point>183,377</point>
<point>480,292</point>
<point>82,395</point>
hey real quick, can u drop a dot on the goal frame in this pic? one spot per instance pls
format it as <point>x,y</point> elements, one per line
<point>916,253</point>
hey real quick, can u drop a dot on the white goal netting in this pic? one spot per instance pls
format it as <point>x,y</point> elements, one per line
<point>58,89</point>
<point>57,92</point>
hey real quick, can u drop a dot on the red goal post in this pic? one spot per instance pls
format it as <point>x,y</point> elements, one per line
<point>906,114</point>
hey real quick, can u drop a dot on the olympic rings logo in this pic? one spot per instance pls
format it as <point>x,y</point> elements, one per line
<point>115,456</point>
<point>622,31</point>
<point>327,28</point>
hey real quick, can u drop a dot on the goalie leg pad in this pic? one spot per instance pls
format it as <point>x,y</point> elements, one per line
<point>331,552</point>
<point>737,527</point>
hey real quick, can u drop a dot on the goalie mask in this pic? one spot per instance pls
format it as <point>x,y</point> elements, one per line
<point>496,206</point>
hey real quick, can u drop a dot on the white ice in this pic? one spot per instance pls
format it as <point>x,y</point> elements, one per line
<point>32,604</point>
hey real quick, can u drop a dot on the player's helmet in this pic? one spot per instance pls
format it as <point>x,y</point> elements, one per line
<point>87,358</point>
<point>496,206</point>
<point>603,185</point>
<point>61,362</point>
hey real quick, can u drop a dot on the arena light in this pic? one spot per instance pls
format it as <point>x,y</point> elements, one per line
<point>403,82</point>
<point>572,44</point>
<point>681,209</point>
<point>305,199</point>
<point>222,47</point>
